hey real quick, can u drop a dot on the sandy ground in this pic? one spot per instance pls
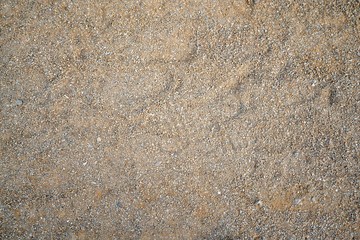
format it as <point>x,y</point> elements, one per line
<point>189,119</point>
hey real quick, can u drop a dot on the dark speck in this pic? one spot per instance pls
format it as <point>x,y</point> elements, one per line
<point>118,204</point>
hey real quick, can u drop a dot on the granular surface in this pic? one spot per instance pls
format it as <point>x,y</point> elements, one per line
<point>189,119</point>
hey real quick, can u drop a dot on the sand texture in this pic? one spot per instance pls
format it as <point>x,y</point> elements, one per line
<point>179,119</point>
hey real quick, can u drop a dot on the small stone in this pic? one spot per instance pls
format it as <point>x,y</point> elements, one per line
<point>296,201</point>
<point>19,102</point>
<point>98,139</point>
<point>118,204</point>
<point>258,202</point>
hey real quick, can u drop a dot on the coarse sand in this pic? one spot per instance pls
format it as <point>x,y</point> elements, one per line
<point>179,119</point>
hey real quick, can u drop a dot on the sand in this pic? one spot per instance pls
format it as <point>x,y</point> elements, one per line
<point>189,119</point>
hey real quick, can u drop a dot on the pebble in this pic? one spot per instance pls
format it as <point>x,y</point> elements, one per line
<point>19,102</point>
<point>118,204</point>
<point>296,201</point>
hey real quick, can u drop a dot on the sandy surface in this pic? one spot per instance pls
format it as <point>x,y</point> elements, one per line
<point>211,119</point>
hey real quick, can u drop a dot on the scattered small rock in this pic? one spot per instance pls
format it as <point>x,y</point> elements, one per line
<point>118,204</point>
<point>296,201</point>
<point>258,202</point>
<point>19,102</point>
